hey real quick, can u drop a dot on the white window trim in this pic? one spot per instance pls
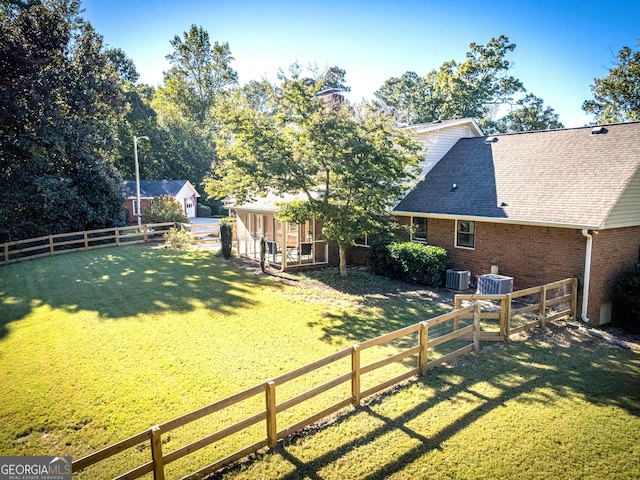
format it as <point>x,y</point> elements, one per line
<point>365,237</point>
<point>420,240</point>
<point>455,236</point>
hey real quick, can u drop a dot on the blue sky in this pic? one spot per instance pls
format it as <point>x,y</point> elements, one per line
<point>561,45</point>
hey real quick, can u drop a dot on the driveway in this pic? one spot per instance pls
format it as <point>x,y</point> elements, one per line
<point>209,235</point>
<point>197,220</point>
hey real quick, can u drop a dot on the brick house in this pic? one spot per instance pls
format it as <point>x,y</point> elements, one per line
<point>537,206</point>
<point>180,190</point>
<point>293,246</point>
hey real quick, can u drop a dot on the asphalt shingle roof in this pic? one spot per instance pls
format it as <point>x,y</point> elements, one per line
<point>568,176</point>
<point>153,188</point>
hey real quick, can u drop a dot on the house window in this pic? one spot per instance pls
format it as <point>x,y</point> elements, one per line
<point>419,233</point>
<point>362,241</point>
<point>465,234</point>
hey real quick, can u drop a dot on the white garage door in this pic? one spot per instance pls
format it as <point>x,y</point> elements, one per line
<point>191,209</point>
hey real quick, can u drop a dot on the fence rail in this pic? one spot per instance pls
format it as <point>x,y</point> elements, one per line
<point>86,240</point>
<point>464,326</point>
<point>203,232</point>
<point>524,309</point>
<point>274,408</point>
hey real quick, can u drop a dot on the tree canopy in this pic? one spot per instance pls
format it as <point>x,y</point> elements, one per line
<point>199,73</point>
<point>616,97</point>
<point>69,108</point>
<point>472,88</point>
<point>348,166</point>
<point>529,115</point>
<point>59,100</point>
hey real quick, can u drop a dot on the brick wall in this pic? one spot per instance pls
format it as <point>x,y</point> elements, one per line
<point>128,204</point>
<point>538,255</point>
<point>614,251</point>
<point>531,255</point>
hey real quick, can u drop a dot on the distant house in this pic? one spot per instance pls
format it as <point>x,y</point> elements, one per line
<point>181,190</point>
<point>537,206</point>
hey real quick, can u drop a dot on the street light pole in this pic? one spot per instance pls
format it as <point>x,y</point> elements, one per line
<point>135,156</point>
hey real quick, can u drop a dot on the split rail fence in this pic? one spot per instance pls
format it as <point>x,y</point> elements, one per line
<point>49,245</point>
<point>431,343</point>
<point>507,314</point>
<point>71,242</point>
<point>202,233</point>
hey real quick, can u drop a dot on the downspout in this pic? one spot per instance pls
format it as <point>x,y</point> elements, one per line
<point>587,275</point>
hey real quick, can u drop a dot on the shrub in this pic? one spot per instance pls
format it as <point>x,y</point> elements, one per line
<point>164,209</point>
<point>411,262</point>
<point>381,263</point>
<point>226,234</point>
<point>177,239</point>
<point>204,211</point>
<point>626,299</point>
<point>263,254</point>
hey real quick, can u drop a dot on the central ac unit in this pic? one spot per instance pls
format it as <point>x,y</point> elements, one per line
<point>493,284</point>
<point>458,279</point>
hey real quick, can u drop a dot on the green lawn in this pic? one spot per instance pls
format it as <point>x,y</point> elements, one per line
<point>96,346</point>
<point>557,405</point>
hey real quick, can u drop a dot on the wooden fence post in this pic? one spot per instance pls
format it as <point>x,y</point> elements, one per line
<point>6,253</point>
<point>476,328</point>
<point>86,241</point>
<point>117,236</point>
<point>272,426</point>
<point>156,453</point>
<point>355,375</point>
<point>424,347</point>
<point>574,297</point>
<point>507,315</point>
<point>543,305</point>
<point>51,245</point>
<point>144,230</point>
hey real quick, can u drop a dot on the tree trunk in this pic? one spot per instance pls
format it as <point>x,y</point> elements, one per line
<point>343,259</point>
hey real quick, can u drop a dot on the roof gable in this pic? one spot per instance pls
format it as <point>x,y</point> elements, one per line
<point>159,188</point>
<point>444,124</point>
<point>559,177</point>
<point>438,137</point>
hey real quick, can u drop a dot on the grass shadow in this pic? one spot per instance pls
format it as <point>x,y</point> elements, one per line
<point>524,373</point>
<point>124,282</point>
<point>384,305</point>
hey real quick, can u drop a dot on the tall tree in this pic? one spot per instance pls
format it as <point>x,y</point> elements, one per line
<point>348,168</point>
<point>406,99</point>
<point>529,115</point>
<point>199,73</point>
<point>181,141</point>
<point>59,101</point>
<point>472,88</point>
<point>616,97</point>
